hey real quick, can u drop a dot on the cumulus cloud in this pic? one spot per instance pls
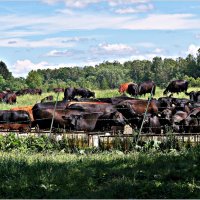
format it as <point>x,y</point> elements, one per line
<point>112,50</point>
<point>193,49</point>
<point>22,67</point>
<point>115,47</point>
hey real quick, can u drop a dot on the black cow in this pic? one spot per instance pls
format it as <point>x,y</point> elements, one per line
<point>151,124</point>
<point>176,86</point>
<point>43,114</point>
<point>146,87</point>
<point>15,120</point>
<point>191,124</point>
<point>69,93</point>
<point>177,120</point>
<point>106,115</point>
<point>194,96</point>
<point>132,89</point>
<point>84,93</point>
<point>48,98</point>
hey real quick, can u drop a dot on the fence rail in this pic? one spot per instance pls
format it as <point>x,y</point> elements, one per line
<point>107,140</point>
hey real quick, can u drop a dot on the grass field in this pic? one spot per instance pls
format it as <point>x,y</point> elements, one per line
<point>33,99</point>
<point>104,175</point>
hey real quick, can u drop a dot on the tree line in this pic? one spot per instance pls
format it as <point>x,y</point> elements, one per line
<point>107,75</point>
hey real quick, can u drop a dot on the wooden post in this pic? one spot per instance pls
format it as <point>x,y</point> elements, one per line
<point>137,138</point>
<point>53,114</point>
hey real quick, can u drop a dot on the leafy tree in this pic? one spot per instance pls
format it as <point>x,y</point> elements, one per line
<point>34,79</point>
<point>2,82</point>
<point>4,71</point>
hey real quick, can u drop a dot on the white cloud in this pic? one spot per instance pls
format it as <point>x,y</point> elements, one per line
<point>197,36</point>
<point>193,49</point>
<point>109,51</point>
<point>158,50</point>
<point>63,53</point>
<point>84,3</point>
<point>164,22</point>
<point>115,47</point>
<point>40,25</point>
<point>22,67</point>
<point>60,42</point>
<point>138,9</point>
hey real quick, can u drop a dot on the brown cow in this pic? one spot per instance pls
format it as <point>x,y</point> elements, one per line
<point>57,90</point>
<point>133,110</point>
<point>10,98</point>
<point>123,87</point>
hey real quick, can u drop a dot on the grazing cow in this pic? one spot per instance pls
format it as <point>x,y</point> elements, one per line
<point>137,106</point>
<point>165,103</point>
<point>165,118</point>
<point>10,98</point>
<point>105,116</point>
<point>132,89</point>
<point>151,124</point>
<point>181,104</point>
<point>57,90</point>
<point>43,114</point>
<point>112,100</point>
<point>176,86</point>
<point>48,98</point>
<point>194,96</point>
<point>133,110</point>
<point>191,124</point>
<point>177,119</point>
<point>69,93</point>
<point>146,87</point>
<point>29,91</point>
<point>84,93</point>
<point>27,109</point>
<point>123,87</point>
<point>15,120</point>
<point>2,95</point>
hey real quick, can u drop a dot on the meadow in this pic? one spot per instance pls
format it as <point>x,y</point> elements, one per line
<point>28,100</point>
<point>32,172</point>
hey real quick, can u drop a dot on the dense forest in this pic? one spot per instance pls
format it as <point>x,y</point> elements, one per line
<point>107,75</point>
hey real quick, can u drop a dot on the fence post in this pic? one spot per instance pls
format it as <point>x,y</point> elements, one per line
<point>144,116</point>
<point>53,114</point>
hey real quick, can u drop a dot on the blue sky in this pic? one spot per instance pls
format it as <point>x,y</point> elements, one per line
<point>41,34</point>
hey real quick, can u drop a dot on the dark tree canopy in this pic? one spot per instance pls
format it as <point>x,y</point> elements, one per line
<point>4,71</point>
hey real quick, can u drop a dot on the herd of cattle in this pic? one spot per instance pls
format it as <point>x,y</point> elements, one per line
<point>105,114</point>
